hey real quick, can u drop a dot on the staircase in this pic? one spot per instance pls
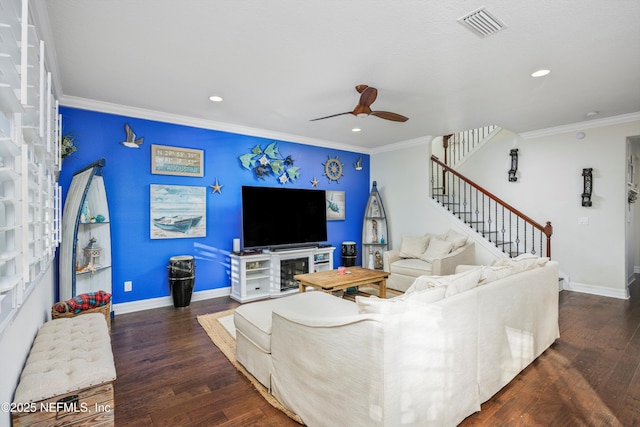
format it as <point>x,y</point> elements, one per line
<point>508,229</point>
<point>458,146</point>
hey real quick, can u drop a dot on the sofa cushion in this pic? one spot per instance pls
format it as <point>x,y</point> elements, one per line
<point>413,246</point>
<point>254,319</point>
<point>492,273</point>
<point>410,267</point>
<point>463,281</point>
<point>454,284</point>
<point>375,305</point>
<point>399,304</point>
<point>426,296</point>
<point>521,263</point>
<point>424,282</point>
<point>458,239</point>
<point>437,249</point>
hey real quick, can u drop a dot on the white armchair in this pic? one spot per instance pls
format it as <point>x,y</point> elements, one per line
<point>433,255</point>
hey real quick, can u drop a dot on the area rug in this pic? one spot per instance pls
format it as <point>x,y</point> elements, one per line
<point>219,326</point>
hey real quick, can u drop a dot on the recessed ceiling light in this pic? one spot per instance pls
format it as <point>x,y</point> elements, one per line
<point>356,130</point>
<point>215,98</point>
<point>540,73</point>
<point>592,113</point>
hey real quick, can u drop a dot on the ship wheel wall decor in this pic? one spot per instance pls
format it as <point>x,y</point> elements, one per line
<point>333,169</point>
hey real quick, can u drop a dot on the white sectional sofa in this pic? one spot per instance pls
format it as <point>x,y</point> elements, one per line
<point>429,357</point>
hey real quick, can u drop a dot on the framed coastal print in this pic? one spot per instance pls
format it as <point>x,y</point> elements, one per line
<point>167,160</point>
<point>178,211</point>
<point>335,205</point>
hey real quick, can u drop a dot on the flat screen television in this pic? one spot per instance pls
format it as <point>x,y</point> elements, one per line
<point>274,217</point>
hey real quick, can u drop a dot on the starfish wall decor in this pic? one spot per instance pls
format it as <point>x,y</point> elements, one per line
<point>216,188</point>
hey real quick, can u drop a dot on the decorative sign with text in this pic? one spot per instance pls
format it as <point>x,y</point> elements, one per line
<point>167,160</point>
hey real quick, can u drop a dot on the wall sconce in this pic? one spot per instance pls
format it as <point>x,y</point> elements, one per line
<point>633,194</point>
<point>588,186</point>
<point>514,165</point>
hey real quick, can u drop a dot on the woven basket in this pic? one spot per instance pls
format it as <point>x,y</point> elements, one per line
<point>104,309</point>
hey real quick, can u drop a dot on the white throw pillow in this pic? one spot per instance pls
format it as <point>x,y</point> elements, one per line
<point>491,273</point>
<point>426,296</point>
<point>463,281</point>
<point>453,284</point>
<point>520,263</point>
<point>413,246</point>
<point>422,283</point>
<point>458,239</point>
<point>399,304</point>
<point>437,249</point>
<point>375,305</point>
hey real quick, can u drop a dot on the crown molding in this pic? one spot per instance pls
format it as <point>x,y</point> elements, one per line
<point>141,113</point>
<point>106,107</point>
<point>596,123</point>
<point>403,144</point>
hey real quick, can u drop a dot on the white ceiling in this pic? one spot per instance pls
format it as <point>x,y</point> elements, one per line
<point>280,63</point>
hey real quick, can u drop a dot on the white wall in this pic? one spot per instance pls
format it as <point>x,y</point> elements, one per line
<point>402,175</point>
<point>16,339</point>
<point>404,180</point>
<point>634,209</point>
<point>548,189</point>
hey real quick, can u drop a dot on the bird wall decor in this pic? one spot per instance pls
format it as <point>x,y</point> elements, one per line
<point>131,141</point>
<point>358,165</point>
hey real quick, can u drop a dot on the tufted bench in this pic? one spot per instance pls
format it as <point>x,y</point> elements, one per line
<point>68,376</point>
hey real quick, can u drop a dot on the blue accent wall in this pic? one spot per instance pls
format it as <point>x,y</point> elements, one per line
<point>127,175</point>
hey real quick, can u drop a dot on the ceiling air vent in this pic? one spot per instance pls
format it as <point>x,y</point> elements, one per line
<point>482,23</point>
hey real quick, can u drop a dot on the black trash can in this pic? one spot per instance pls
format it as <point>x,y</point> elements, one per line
<point>349,252</point>
<point>182,273</point>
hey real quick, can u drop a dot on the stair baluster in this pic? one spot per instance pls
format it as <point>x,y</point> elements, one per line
<point>514,233</point>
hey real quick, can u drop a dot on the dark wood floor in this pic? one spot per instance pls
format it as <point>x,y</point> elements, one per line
<point>170,374</point>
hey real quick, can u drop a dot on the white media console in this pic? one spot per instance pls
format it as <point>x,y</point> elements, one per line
<point>270,274</point>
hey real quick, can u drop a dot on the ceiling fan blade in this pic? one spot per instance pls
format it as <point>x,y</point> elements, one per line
<point>368,96</point>
<point>333,115</point>
<point>389,116</point>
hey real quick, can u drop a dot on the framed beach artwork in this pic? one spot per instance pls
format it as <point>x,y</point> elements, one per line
<point>335,205</point>
<point>167,160</point>
<point>178,211</point>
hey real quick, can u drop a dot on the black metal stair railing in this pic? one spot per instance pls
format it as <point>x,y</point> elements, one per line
<point>503,225</point>
<point>458,145</point>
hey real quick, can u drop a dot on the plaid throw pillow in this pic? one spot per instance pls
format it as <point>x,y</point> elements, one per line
<point>83,302</point>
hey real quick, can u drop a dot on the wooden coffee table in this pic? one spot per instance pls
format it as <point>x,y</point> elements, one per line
<point>329,281</point>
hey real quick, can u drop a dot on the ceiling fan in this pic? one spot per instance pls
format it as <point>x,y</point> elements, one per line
<point>363,109</point>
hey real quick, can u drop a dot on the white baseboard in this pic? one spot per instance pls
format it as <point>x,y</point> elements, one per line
<point>596,290</point>
<point>147,304</point>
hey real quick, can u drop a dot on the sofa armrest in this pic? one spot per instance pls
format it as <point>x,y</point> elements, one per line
<point>378,370</point>
<point>447,264</point>
<point>388,258</point>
